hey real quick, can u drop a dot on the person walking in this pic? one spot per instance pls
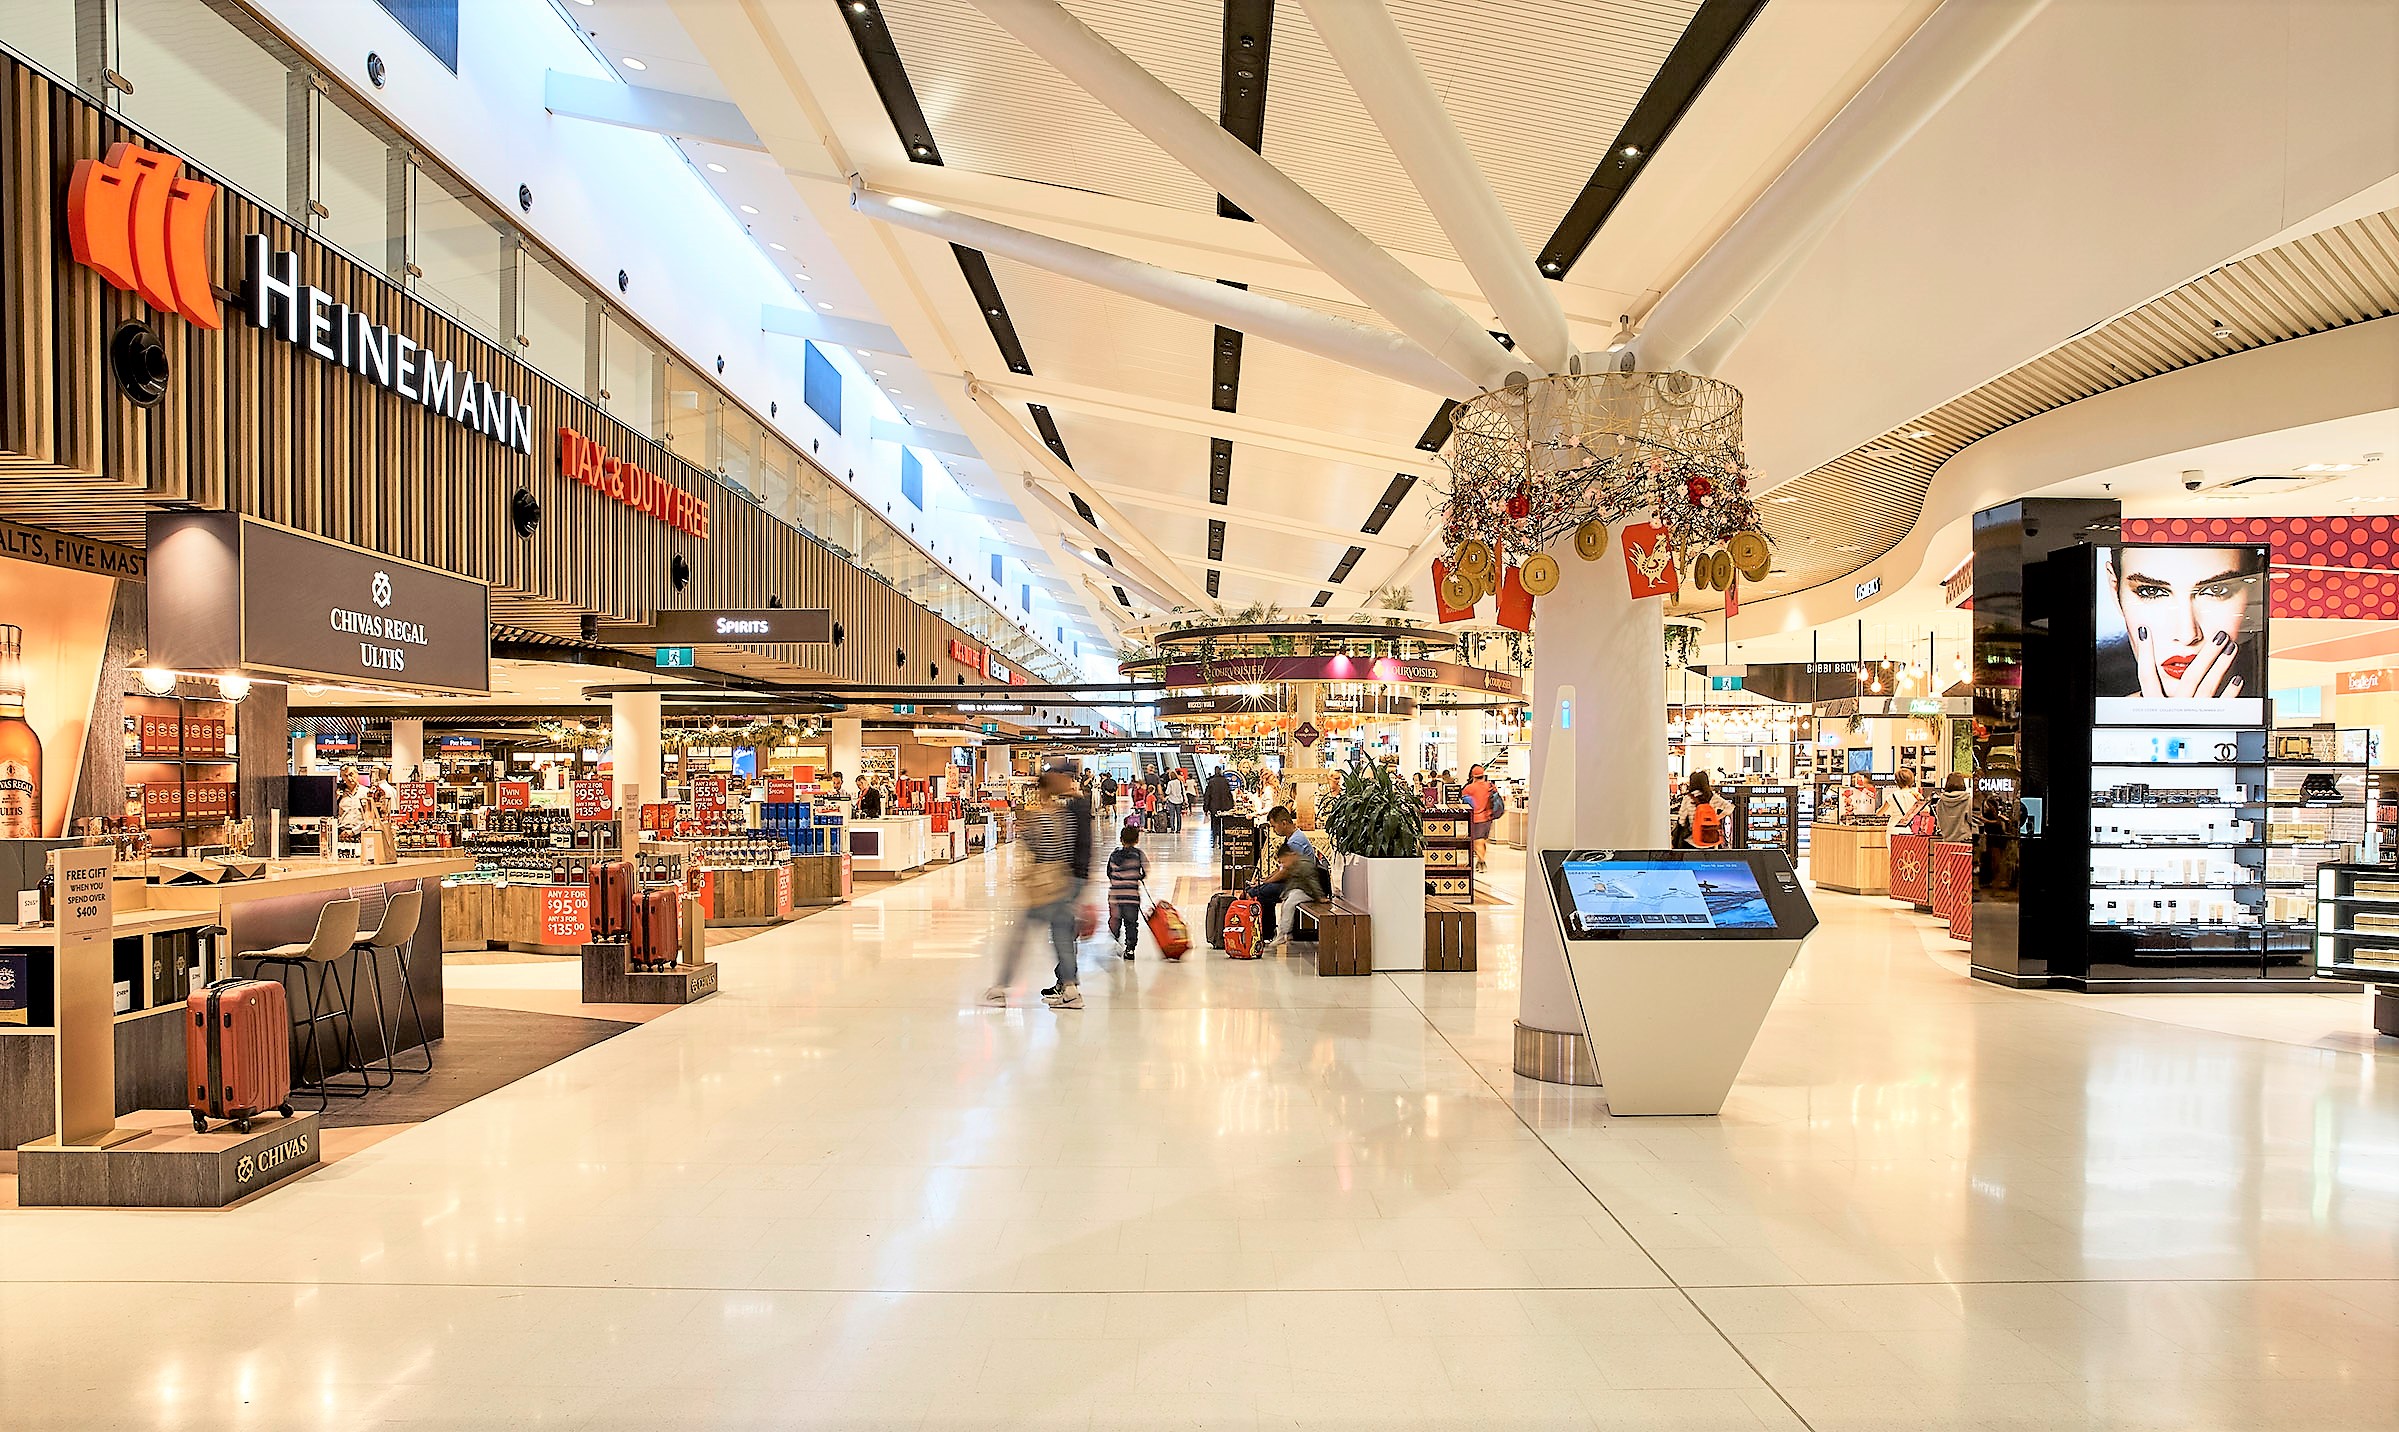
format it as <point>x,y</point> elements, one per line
<point>1217,801</point>
<point>1108,791</point>
<point>1698,815</point>
<point>1127,868</point>
<point>1049,885</point>
<point>1173,801</point>
<point>1953,813</point>
<point>1899,803</point>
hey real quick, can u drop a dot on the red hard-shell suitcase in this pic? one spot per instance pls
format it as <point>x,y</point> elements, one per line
<point>611,884</point>
<point>1218,903</point>
<point>1241,922</point>
<point>237,1050</point>
<point>657,930</point>
<point>1167,928</point>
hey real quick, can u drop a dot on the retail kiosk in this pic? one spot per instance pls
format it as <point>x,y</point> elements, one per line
<point>1675,956</point>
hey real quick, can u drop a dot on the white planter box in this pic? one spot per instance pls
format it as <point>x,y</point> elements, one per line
<point>1393,893</point>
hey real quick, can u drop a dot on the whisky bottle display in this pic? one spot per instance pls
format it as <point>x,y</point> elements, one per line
<point>20,748</point>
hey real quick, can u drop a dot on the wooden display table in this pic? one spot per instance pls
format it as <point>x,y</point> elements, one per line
<point>158,961</point>
<point>1853,859</point>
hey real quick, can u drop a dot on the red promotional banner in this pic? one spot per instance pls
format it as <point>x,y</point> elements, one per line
<point>783,890</point>
<point>566,914</point>
<point>1447,612</point>
<point>1515,609</point>
<point>658,818</point>
<point>416,798</point>
<point>845,875</point>
<point>782,792</point>
<point>595,798</point>
<point>1648,562</point>
<point>708,792</point>
<point>706,894</point>
<point>516,795</point>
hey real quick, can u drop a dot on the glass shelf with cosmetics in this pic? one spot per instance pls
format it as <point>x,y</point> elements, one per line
<point>2177,841</point>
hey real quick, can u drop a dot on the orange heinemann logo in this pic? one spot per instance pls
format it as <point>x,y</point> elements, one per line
<point>137,221</point>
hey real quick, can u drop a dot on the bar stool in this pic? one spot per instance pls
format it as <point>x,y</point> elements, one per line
<point>396,933</point>
<point>337,930</point>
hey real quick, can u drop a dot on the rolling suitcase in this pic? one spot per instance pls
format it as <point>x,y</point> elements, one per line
<point>611,899</point>
<point>1167,928</point>
<point>1241,921</point>
<point>237,1052</point>
<point>1218,903</point>
<point>657,930</point>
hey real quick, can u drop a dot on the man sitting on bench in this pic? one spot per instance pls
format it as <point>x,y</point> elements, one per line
<point>1297,877</point>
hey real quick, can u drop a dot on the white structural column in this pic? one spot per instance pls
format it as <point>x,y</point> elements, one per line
<point>408,749</point>
<point>1373,350</point>
<point>1470,741</point>
<point>1264,192</point>
<point>1368,46</point>
<point>304,752</point>
<point>1599,765</point>
<point>635,753</point>
<point>1411,747</point>
<point>847,749</point>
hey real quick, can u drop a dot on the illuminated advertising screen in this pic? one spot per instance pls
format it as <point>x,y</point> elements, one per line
<point>2179,634</point>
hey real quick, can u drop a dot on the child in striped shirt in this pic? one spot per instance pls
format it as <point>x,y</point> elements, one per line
<point>1127,868</point>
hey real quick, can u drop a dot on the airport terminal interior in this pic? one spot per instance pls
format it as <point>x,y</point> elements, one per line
<point>1193,714</point>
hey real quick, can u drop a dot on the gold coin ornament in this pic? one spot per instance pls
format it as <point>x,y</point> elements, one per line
<point>1474,557</point>
<point>1720,571</point>
<point>1458,591</point>
<point>1751,555</point>
<point>1591,540</point>
<point>1702,571</point>
<point>1540,574</point>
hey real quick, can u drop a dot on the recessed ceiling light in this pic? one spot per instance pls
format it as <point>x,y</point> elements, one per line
<point>826,306</point>
<point>713,166</point>
<point>634,64</point>
<point>795,273</point>
<point>881,374</point>
<point>778,248</point>
<point>749,208</point>
<point>1917,433</point>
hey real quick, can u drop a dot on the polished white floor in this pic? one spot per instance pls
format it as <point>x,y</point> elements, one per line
<point>1238,1196</point>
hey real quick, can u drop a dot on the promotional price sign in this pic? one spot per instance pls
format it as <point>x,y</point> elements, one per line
<point>782,792</point>
<point>658,818</point>
<point>595,798</point>
<point>416,798</point>
<point>516,795</point>
<point>708,792</point>
<point>566,914</point>
<point>707,894</point>
<point>783,889</point>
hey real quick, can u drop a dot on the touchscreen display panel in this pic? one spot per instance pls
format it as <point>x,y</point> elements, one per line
<point>1636,895</point>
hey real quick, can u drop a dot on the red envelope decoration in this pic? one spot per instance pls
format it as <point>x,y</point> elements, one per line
<point>1648,562</point>
<point>1515,602</point>
<point>1441,604</point>
<point>1732,597</point>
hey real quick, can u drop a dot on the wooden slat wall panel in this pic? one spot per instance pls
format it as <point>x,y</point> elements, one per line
<point>255,425</point>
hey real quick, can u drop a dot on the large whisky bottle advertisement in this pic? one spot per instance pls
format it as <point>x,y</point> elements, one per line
<point>53,636</point>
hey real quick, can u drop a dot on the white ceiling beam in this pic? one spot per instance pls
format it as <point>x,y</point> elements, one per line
<point>1121,559</point>
<point>1129,536</point>
<point>1180,239</point>
<point>1157,501</point>
<point>1949,49</point>
<point>883,430</point>
<point>825,328</point>
<point>1208,422</point>
<point>1264,192</point>
<point>678,116</point>
<point>1371,350</point>
<point>1366,43</point>
<point>1134,586</point>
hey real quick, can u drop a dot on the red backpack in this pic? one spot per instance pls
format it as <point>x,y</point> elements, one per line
<point>1241,922</point>
<point>1707,826</point>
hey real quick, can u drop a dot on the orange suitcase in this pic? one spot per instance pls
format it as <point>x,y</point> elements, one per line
<point>1167,928</point>
<point>657,930</point>
<point>237,1049</point>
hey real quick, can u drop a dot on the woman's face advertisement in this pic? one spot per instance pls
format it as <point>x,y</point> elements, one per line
<point>2193,619</point>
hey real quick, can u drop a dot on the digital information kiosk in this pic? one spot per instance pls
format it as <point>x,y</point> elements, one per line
<point>1675,957</point>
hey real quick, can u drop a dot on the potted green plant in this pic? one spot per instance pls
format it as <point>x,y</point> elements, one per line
<point>1376,822</point>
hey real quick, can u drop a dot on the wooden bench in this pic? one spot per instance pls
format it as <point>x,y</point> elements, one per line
<point>1448,935</point>
<point>1344,936</point>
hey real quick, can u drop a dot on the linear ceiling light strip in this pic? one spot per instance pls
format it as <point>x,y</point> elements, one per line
<point>882,59</point>
<point>1693,61</point>
<point>1241,92</point>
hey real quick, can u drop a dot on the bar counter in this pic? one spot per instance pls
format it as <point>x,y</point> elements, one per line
<point>1854,859</point>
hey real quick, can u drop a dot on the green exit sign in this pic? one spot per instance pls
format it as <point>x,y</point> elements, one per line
<point>991,728</point>
<point>676,656</point>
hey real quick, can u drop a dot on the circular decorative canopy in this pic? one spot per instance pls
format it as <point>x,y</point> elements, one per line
<point>1532,462</point>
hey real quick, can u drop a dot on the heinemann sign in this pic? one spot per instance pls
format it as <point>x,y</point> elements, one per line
<point>307,317</point>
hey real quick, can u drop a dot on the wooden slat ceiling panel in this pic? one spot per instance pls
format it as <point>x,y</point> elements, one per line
<point>1844,514</point>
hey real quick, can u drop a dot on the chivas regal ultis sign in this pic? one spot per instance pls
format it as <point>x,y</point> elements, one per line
<point>137,220</point>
